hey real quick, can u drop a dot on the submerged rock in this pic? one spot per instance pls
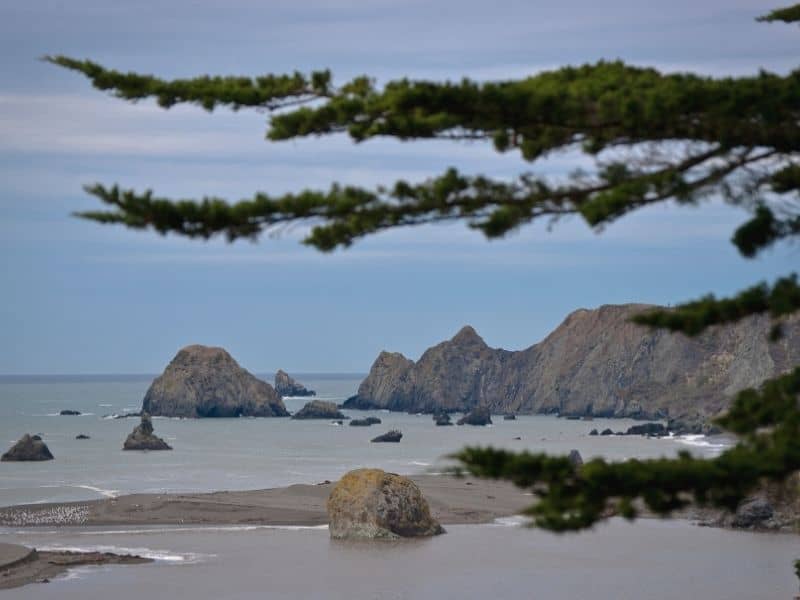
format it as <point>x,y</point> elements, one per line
<point>142,437</point>
<point>365,422</point>
<point>81,436</point>
<point>373,504</point>
<point>286,386</point>
<point>319,409</point>
<point>70,413</point>
<point>28,448</point>
<point>509,417</point>
<point>202,381</point>
<point>477,416</point>
<point>393,435</point>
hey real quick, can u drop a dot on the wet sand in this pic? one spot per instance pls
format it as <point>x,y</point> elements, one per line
<point>20,565</point>
<point>452,500</point>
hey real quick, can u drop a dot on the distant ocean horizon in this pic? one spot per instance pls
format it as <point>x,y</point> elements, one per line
<point>123,377</point>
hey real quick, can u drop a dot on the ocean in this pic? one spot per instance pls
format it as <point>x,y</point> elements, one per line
<point>647,559</point>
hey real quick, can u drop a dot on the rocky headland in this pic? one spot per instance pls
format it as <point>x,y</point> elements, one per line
<point>203,381</point>
<point>596,363</point>
<point>287,386</point>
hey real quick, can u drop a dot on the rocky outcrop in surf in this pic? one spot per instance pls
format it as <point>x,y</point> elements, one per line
<point>319,409</point>
<point>596,363</point>
<point>143,438</point>
<point>286,386</point>
<point>203,381</point>
<point>28,448</point>
<point>373,504</point>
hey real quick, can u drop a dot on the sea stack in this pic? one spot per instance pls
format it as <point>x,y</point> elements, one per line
<point>286,386</point>
<point>202,381</point>
<point>28,448</point>
<point>373,504</point>
<point>142,437</point>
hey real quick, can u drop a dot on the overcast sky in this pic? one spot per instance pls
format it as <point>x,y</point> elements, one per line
<point>81,298</point>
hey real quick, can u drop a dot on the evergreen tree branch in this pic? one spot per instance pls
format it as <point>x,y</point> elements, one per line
<point>790,14</point>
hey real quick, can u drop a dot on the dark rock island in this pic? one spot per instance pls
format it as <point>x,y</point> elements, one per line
<point>286,386</point>
<point>319,409</point>
<point>202,381</point>
<point>28,448</point>
<point>143,438</point>
<point>596,363</point>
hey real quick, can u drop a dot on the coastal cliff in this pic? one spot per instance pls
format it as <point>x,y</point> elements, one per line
<point>203,381</point>
<point>595,363</point>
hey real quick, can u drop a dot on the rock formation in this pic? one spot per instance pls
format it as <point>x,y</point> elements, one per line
<point>28,448</point>
<point>202,381</point>
<point>442,419</point>
<point>70,413</point>
<point>365,422</point>
<point>142,437</point>
<point>477,416</point>
<point>286,386</point>
<point>575,458</point>
<point>596,363</point>
<point>319,409</point>
<point>373,504</point>
<point>649,429</point>
<point>82,436</point>
<point>392,435</point>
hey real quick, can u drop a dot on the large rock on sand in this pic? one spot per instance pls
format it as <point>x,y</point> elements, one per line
<point>319,409</point>
<point>373,504</point>
<point>29,447</point>
<point>202,381</point>
<point>286,386</point>
<point>142,437</point>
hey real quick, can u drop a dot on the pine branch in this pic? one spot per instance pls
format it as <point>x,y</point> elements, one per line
<point>790,14</point>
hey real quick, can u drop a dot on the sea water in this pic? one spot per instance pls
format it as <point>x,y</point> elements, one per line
<point>647,559</point>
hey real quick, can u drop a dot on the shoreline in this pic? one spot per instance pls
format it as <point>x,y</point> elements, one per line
<point>452,501</point>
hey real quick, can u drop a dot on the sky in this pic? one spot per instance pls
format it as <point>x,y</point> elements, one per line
<point>78,297</point>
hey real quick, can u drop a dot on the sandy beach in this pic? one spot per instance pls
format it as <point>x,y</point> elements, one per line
<point>452,500</point>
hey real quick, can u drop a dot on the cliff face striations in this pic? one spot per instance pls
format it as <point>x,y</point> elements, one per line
<point>202,381</point>
<point>595,363</point>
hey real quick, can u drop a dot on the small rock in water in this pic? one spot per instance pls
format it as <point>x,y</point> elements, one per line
<point>70,413</point>
<point>390,436</point>
<point>479,415</point>
<point>575,458</point>
<point>593,432</point>
<point>142,437</point>
<point>81,436</point>
<point>28,448</point>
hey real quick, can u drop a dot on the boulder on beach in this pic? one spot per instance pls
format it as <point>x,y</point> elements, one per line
<point>479,415</point>
<point>286,386</point>
<point>142,437</point>
<point>28,448</point>
<point>442,419</point>
<point>373,504</point>
<point>365,422</point>
<point>319,409</point>
<point>393,435</point>
<point>70,413</point>
<point>202,381</point>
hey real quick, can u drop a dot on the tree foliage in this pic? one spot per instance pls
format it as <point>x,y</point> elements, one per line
<point>652,138</point>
